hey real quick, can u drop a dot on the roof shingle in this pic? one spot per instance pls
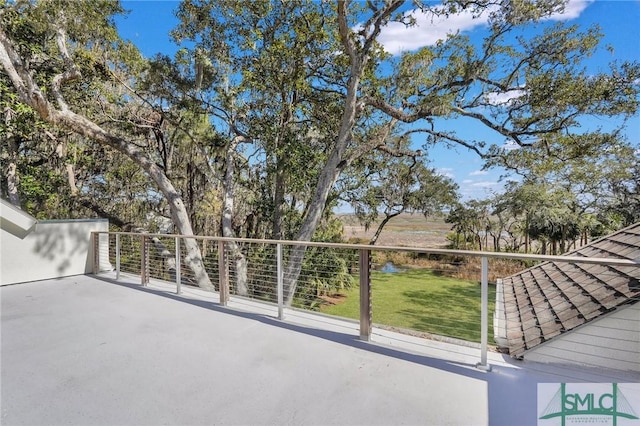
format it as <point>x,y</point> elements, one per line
<point>555,297</point>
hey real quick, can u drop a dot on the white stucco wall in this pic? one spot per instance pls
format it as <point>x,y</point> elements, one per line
<point>612,341</point>
<point>51,249</point>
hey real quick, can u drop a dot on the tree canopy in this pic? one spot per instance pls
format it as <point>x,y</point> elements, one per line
<point>271,113</point>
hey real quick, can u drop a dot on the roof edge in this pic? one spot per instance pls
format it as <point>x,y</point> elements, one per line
<point>15,218</point>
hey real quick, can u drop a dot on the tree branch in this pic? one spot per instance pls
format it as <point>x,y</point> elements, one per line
<point>345,32</point>
<point>71,73</point>
<point>398,113</point>
<point>28,91</point>
<point>377,142</point>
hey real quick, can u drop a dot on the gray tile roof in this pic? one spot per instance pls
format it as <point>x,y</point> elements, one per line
<point>552,298</point>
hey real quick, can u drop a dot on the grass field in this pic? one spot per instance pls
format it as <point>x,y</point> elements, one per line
<point>418,299</point>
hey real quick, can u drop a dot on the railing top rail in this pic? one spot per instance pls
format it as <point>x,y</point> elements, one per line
<point>470,253</point>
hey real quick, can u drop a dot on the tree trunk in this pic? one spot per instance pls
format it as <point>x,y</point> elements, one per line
<point>179,214</point>
<point>12,184</point>
<point>311,221</point>
<point>527,240</point>
<point>167,257</point>
<point>486,239</point>
<point>13,179</point>
<point>278,181</point>
<point>278,202</point>
<point>31,95</point>
<point>358,58</point>
<point>237,257</point>
<point>386,220</point>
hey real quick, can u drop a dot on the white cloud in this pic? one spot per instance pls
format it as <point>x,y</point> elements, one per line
<point>446,172</point>
<point>504,98</point>
<point>510,145</point>
<point>479,173</point>
<point>572,10</point>
<point>396,37</point>
<point>467,181</point>
<point>428,29</point>
<point>484,184</point>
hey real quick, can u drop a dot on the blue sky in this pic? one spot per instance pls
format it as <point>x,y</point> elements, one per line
<point>149,22</point>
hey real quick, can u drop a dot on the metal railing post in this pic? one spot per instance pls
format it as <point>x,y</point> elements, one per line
<point>280,281</point>
<point>484,312</point>
<point>364,266</point>
<point>223,274</point>
<point>178,267</point>
<point>117,256</point>
<point>144,261</point>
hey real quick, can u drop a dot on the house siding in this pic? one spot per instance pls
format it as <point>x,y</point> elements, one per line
<point>51,249</point>
<point>612,341</point>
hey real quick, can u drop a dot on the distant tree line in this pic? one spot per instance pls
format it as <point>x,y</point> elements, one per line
<point>558,204</point>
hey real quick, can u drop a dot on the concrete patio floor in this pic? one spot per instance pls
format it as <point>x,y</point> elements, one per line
<point>89,350</point>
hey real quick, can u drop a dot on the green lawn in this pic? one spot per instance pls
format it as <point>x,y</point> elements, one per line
<point>417,299</point>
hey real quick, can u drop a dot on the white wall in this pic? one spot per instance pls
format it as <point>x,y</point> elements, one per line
<point>51,249</point>
<point>612,341</point>
<point>500,317</point>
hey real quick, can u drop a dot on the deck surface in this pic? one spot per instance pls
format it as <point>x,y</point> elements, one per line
<point>88,350</point>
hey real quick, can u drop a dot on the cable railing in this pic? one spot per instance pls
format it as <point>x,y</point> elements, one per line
<point>439,294</point>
